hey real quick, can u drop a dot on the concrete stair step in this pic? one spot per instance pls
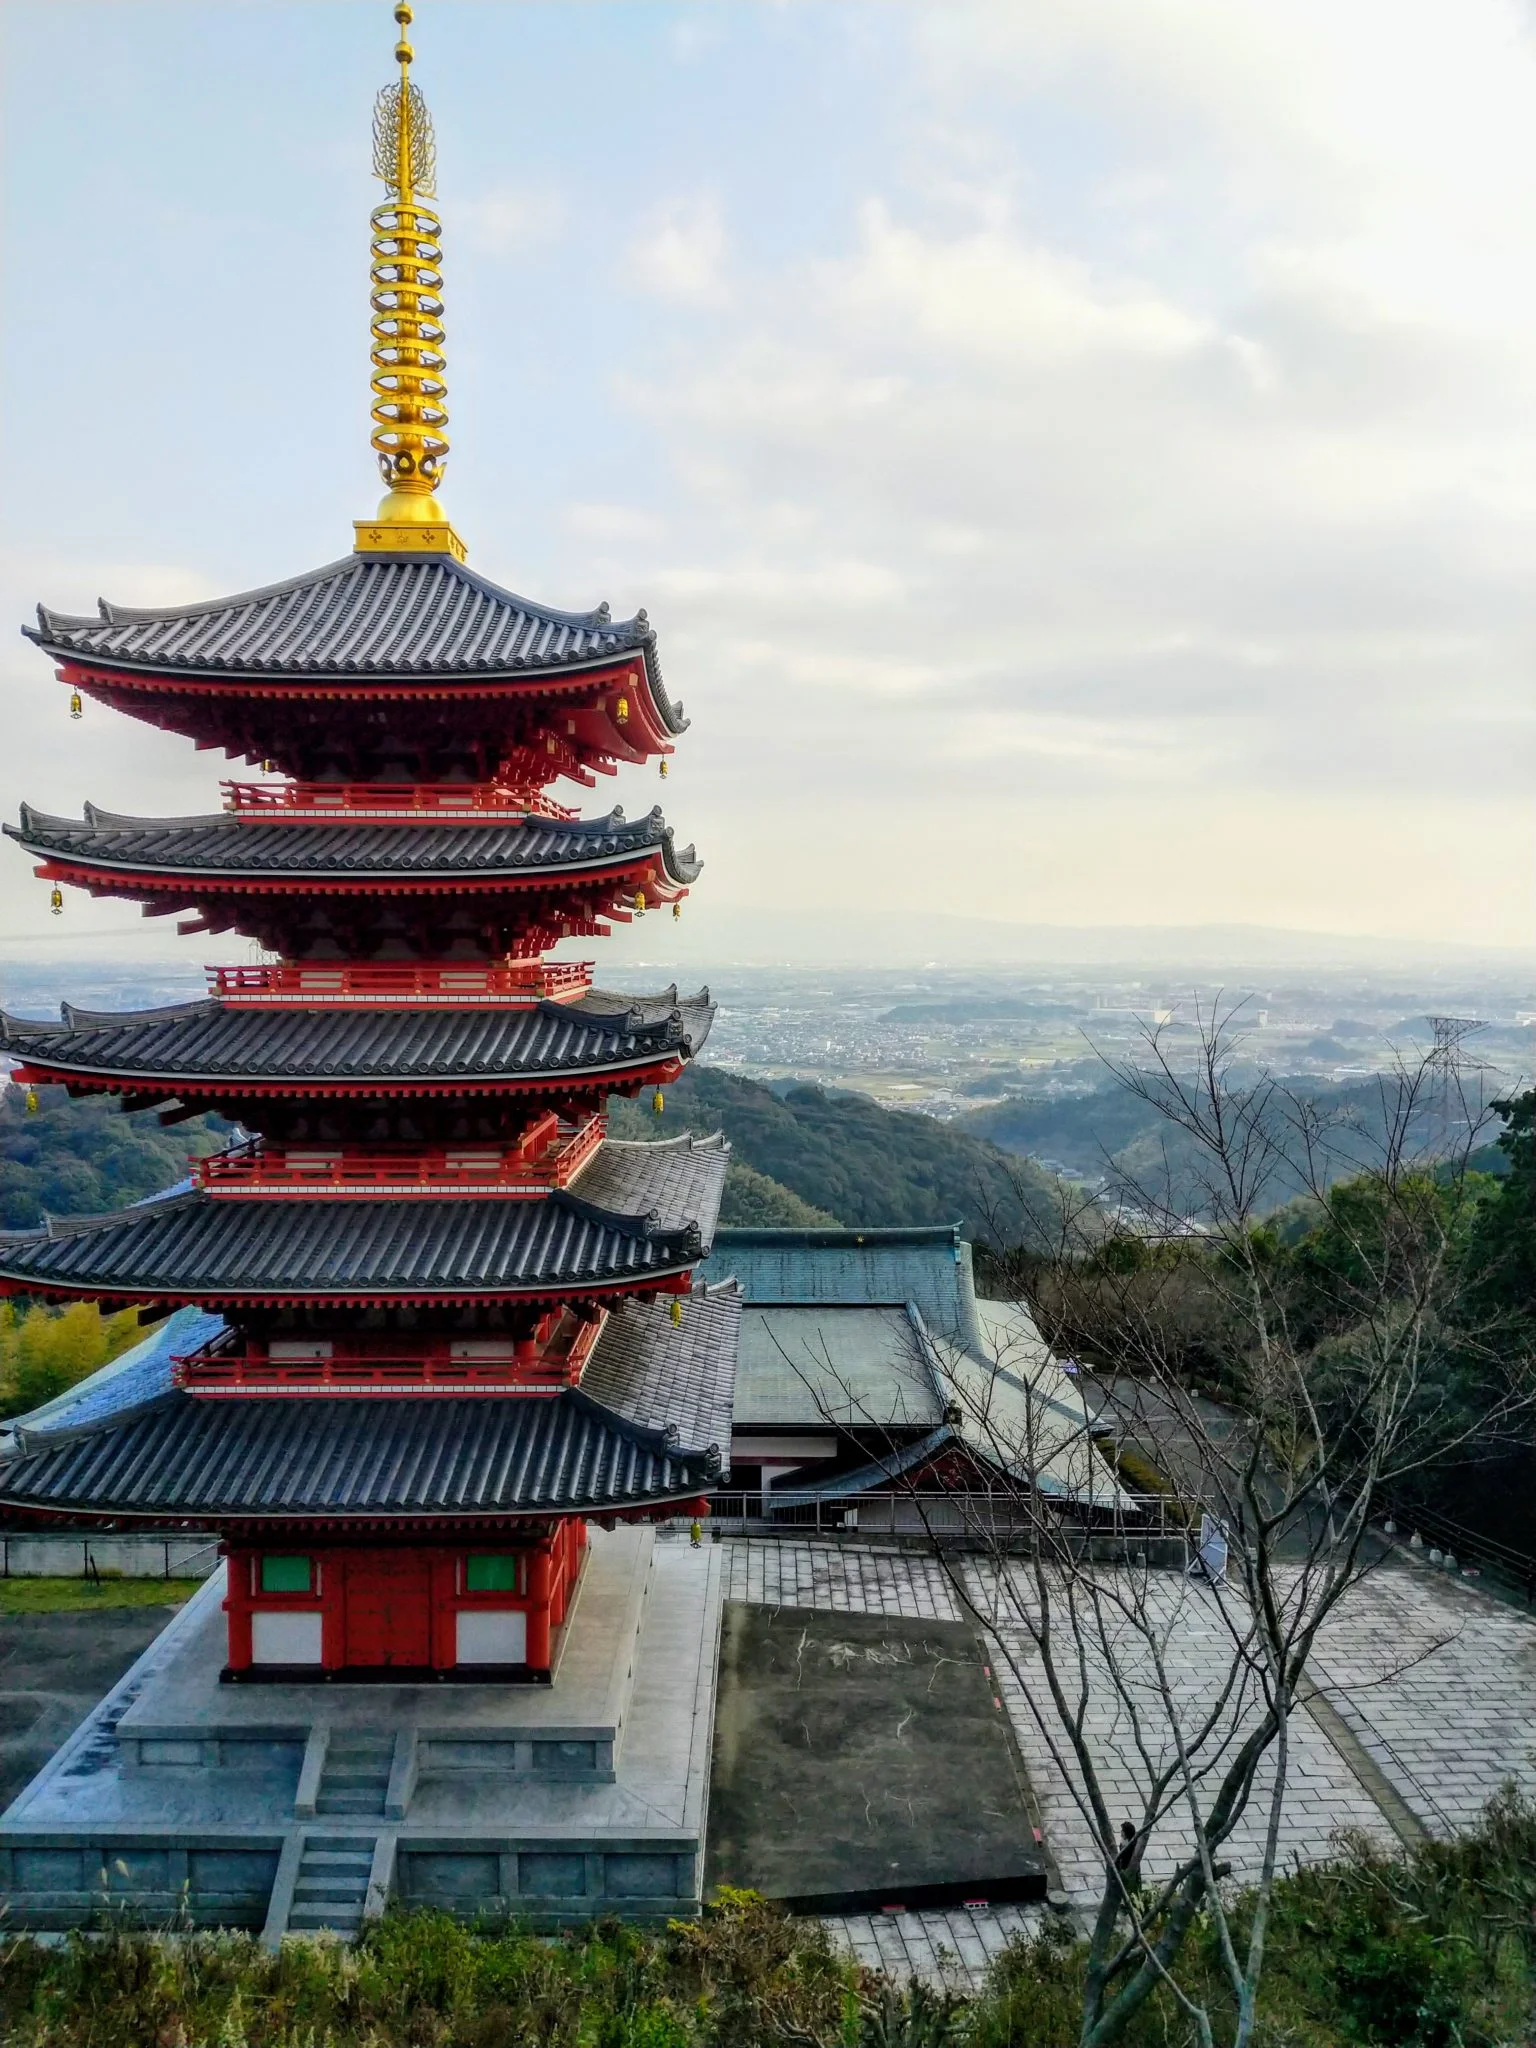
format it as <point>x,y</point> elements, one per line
<point>322,1919</point>
<point>349,1898</point>
<point>354,1774</point>
<point>370,1803</point>
<point>361,1745</point>
<point>339,1860</point>
<point>339,1845</point>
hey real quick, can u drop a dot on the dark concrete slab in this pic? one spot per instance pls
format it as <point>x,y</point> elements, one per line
<point>860,1762</point>
<point>53,1670</point>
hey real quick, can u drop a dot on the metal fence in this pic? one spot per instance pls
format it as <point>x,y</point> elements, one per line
<point>72,1554</point>
<point>981,1517</point>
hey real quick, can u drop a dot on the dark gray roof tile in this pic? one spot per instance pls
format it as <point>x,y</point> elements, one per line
<point>679,1377</point>
<point>238,846</point>
<point>200,1248</point>
<point>366,616</point>
<point>233,1459</point>
<point>191,1043</point>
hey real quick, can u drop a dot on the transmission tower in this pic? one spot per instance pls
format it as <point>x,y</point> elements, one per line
<point>1451,1033</point>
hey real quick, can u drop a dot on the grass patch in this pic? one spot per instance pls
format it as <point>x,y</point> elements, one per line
<point>90,1596</point>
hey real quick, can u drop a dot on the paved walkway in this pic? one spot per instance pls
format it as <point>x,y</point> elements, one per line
<point>1427,1704</point>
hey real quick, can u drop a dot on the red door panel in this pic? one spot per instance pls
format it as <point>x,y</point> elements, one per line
<point>389,1608</point>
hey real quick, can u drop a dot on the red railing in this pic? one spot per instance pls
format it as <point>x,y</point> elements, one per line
<point>474,1365</point>
<point>548,1155</point>
<point>425,802</point>
<point>406,981</point>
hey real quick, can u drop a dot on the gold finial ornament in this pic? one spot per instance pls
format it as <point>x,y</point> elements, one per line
<point>410,394</point>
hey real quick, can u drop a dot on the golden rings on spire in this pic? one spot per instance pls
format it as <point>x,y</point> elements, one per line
<point>410,389</point>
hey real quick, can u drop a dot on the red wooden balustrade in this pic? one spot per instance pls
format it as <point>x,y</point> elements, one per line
<point>435,1365</point>
<point>548,1155</point>
<point>425,802</point>
<point>512,982</point>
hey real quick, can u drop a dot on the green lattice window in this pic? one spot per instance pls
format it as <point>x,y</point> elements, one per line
<point>491,1574</point>
<point>285,1575</point>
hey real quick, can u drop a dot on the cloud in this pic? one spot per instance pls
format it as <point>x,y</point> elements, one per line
<point>679,251</point>
<point>1188,489</point>
<point>509,220</point>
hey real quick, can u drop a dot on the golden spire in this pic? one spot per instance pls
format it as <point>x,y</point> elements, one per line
<point>410,409</point>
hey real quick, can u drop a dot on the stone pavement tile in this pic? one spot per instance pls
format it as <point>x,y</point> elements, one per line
<point>1438,1684</point>
<point>1196,1656</point>
<point>841,1578</point>
<point>954,1948</point>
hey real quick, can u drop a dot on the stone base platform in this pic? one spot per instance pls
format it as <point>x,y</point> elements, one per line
<point>290,1807</point>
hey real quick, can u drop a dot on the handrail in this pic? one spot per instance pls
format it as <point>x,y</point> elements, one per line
<point>1006,1513</point>
<point>548,1156</point>
<point>423,802</point>
<point>518,982</point>
<point>432,1367</point>
<point>1519,1565</point>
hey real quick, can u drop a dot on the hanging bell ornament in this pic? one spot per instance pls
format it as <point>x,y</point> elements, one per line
<point>56,900</point>
<point>665,770</point>
<point>658,1103</point>
<point>31,1102</point>
<point>621,711</point>
<point>677,1310</point>
<point>76,704</point>
<point>639,903</point>
<point>677,911</point>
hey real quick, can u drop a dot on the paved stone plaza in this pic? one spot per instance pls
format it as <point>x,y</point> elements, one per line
<point>1427,1705</point>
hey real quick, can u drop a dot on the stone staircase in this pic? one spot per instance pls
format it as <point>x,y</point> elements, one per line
<point>332,1886</point>
<point>355,1780</point>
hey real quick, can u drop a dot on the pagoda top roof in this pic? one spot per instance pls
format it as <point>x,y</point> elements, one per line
<point>242,1459</point>
<point>366,615</point>
<point>390,1045</point>
<point>642,1214</point>
<point>224,844</point>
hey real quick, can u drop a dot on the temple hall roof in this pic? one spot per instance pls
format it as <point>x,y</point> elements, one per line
<point>194,1247</point>
<point>225,845</point>
<point>210,1042</point>
<point>198,1459</point>
<point>362,617</point>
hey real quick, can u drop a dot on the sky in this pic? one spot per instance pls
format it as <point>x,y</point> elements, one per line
<point>1080,461</point>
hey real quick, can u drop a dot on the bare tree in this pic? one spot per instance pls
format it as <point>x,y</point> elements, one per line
<point>1165,1674</point>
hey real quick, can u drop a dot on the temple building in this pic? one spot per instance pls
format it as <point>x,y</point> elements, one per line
<point>432,1321</point>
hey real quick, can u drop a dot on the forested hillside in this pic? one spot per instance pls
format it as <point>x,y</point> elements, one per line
<point>850,1158</point>
<point>1113,1132</point>
<point>78,1158</point>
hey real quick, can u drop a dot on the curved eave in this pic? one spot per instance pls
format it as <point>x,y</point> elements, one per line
<point>653,868</point>
<point>671,1278</point>
<point>99,674</point>
<point>643,1071</point>
<point>55,842</point>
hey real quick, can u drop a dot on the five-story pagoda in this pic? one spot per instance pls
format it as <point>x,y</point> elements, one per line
<point>448,1318</point>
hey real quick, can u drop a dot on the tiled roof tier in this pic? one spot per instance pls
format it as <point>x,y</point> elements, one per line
<point>198,1248</point>
<point>201,1045</point>
<point>363,618</point>
<point>245,850</point>
<point>678,1377</point>
<point>246,1459</point>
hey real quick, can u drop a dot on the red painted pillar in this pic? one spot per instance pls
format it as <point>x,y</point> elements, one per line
<point>332,1567</point>
<point>237,1605</point>
<point>445,1620</point>
<point>538,1608</point>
